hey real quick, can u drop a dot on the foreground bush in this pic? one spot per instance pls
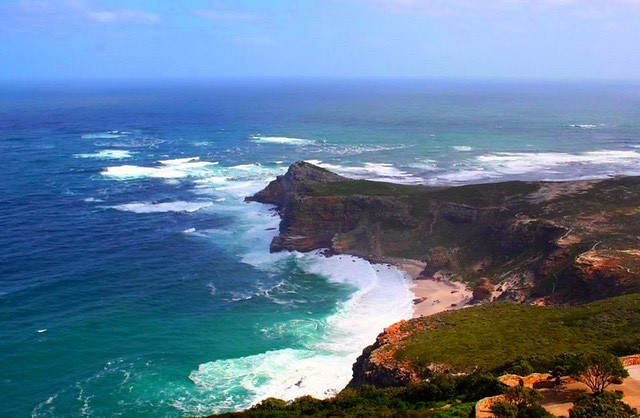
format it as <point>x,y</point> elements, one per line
<point>598,370</point>
<point>443,396</point>
<point>520,402</point>
<point>602,405</point>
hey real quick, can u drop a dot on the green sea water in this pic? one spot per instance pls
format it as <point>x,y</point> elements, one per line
<point>135,281</point>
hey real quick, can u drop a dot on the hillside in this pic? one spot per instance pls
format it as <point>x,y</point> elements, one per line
<point>490,337</point>
<point>483,341</point>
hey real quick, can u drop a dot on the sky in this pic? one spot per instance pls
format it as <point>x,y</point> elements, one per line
<point>209,39</point>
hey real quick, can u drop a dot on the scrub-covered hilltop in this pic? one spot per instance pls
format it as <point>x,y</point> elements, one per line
<point>553,242</point>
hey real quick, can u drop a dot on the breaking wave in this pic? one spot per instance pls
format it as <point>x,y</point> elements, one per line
<point>322,365</point>
<point>145,207</point>
<point>544,165</point>
<point>283,140</point>
<point>372,171</point>
<point>107,154</point>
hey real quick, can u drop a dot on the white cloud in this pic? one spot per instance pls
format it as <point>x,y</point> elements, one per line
<point>225,15</point>
<point>126,15</point>
<point>23,15</point>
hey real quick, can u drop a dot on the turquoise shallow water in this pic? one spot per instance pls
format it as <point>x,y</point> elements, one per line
<point>134,280</point>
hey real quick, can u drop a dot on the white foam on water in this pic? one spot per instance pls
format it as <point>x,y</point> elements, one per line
<point>329,346</point>
<point>179,161</point>
<point>236,182</point>
<point>583,126</point>
<point>462,148</point>
<point>500,164</point>
<point>522,162</point>
<point>93,200</point>
<point>323,367</point>
<point>283,140</point>
<point>107,154</point>
<point>371,171</point>
<point>361,149</point>
<point>463,176</point>
<point>133,172</point>
<point>146,207</point>
<point>425,164</point>
<point>168,169</point>
<point>129,142</point>
<point>212,289</point>
<point>104,135</point>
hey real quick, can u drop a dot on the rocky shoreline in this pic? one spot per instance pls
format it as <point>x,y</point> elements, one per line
<point>528,242</point>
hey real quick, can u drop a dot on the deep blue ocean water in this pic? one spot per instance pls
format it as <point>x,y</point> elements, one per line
<point>134,280</point>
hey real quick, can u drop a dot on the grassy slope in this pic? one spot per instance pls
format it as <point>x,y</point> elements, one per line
<point>491,335</point>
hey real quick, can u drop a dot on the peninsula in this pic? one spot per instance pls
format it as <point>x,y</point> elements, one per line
<point>554,267</point>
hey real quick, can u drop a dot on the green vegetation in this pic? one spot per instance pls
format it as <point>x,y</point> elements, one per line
<point>498,337</point>
<point>492,335</point>
<point>510,230</point>
<point>598,370</point>
<point>442,397</point>
<point>602,405</point>
<point>626,347</point>
<point>520,402</point>
<point>368,188</point>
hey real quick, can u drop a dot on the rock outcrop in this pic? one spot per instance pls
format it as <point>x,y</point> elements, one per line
<point>483,290</point>
<point>568,242</point>
<point>547,243</point>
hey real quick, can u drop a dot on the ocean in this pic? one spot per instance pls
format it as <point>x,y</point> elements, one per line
<point>134,279</point>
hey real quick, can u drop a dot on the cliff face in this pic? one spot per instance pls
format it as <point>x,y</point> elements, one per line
<point>566,242</point>
<point>569,242</point>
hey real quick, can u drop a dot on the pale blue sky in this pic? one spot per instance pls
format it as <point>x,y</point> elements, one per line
<point>156,39</point>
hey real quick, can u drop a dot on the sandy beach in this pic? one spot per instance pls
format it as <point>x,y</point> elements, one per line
<point>432,295</point>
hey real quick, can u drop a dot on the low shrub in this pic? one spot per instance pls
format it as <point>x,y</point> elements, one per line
<point>602,405</point>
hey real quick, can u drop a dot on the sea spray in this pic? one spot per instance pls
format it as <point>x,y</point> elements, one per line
<point>321,367</point>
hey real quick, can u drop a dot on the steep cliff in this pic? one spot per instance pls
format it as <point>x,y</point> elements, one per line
<point>539,242</point>
<point>568,242</point>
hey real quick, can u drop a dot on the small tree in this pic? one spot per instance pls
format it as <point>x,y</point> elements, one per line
<point>605,404</point>
<point>598,370</point>
<point>520,402</point>
<point>522,397</point>
<point>504,410</point>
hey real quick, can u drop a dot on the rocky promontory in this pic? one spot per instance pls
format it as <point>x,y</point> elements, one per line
<point>544,242</point>
<point>536,243</point>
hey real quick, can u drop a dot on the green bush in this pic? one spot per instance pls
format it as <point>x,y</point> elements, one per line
<point>598,370</point>
<point>558,365</point>
<point>626,347</point>
<point>564,364</point>
<point>535,411</point>
<point>441,387</point>
<point>444,396</point>
<point>602,405</point>
<point>520,402</point>
<point>521,367</point>
<point>522,397</point>
<point>270,404</point>
<point>476,386</point>
<point>504,409</point>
